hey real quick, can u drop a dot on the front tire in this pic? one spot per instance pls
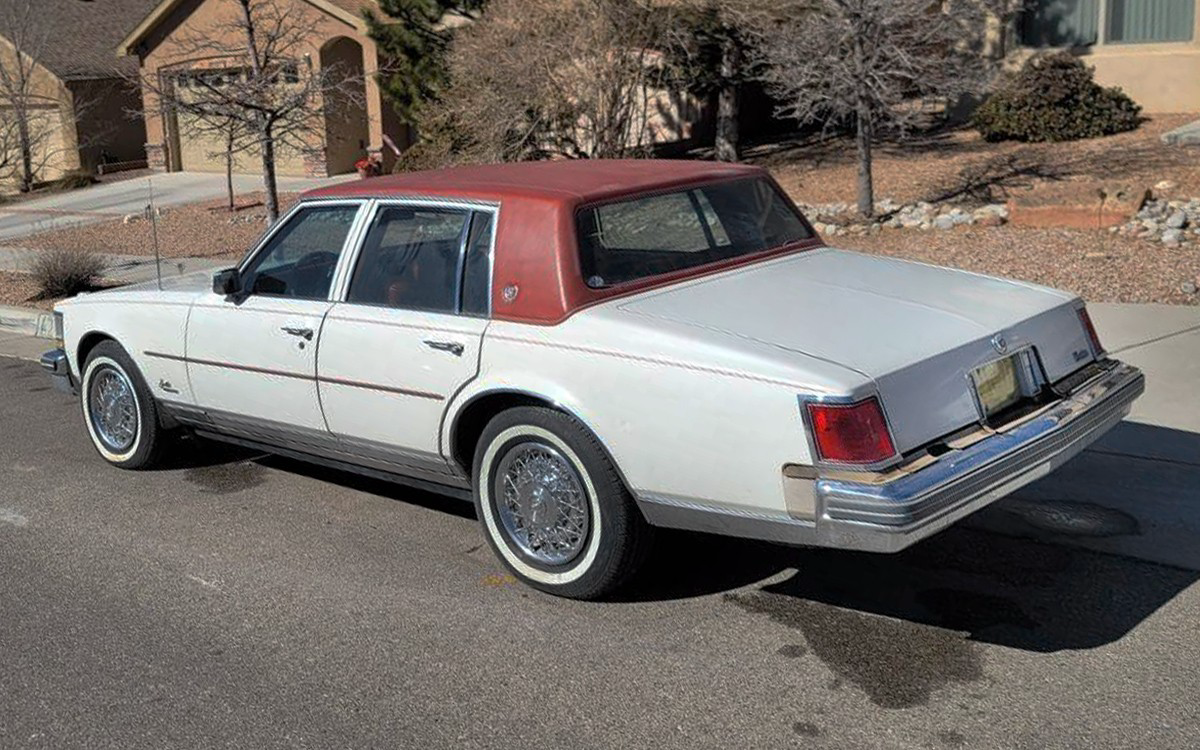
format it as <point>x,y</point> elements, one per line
<point>553,507</point>
<point>118,409</point>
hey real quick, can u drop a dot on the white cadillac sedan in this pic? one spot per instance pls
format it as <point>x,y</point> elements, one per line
<point>594,349</point>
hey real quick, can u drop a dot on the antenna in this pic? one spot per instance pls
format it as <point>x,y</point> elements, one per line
<point>154,232</point>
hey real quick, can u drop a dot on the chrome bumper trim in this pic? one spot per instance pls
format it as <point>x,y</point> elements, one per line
<point>55,362</point>
<point>889,516</point>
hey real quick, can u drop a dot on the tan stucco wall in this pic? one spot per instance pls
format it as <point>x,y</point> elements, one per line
<point>51,120</point>
<point>167,47</point>
<point>1162,77</point>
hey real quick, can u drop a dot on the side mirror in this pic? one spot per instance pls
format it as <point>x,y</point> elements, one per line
<point>227,283</point>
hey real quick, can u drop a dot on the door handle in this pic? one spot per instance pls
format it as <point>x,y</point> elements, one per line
<point>304,333</point>
<point>453,347</point>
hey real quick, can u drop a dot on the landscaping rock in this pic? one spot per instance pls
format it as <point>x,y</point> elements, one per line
<point>131,218</point>
<point>1187,287</point>
<point>1172,237</point>
<point>945,221</point>
<point>1177,220</point>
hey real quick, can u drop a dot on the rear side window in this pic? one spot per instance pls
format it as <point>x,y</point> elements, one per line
<point>664,232</point>
<point>410,259</point>
<point>477,268</point>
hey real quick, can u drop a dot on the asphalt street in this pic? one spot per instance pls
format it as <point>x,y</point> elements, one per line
<point>241,601</point>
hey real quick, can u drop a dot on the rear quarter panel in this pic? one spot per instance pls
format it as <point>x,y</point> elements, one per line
<point>687,419</point>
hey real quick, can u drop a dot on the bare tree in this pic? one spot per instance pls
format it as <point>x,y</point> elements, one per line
<point>711,52</point>
<point>546,78</point>
<point>263,85</point>
<point>872,63</point>
<point>32,110</point>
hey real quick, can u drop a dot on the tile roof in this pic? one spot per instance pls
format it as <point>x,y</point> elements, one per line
<point>82,35</point>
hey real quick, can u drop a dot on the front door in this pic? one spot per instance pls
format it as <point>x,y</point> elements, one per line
<point>407,335</point>
<point>252,358</point>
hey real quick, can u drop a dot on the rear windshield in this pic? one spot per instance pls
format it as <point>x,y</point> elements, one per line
<point>664,232</point>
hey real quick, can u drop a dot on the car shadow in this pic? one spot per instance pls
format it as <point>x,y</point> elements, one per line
<point>971,584</point>
<point>1043,582</point>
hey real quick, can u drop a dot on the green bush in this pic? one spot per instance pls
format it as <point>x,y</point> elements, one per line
<point>1055,98</point>
<point>65,272</point>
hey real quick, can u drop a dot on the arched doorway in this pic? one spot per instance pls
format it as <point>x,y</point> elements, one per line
<point>346,133</point>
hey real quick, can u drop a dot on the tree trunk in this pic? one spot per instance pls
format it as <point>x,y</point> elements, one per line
<point>26,147</point>
<point>863,123</point>
<point>727,101</point>
<point>267,145</point>
<point>229,168</point>
<point>866,186</point>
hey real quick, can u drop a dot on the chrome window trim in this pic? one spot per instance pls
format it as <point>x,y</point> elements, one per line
<point>844,400</point>
<point>472,207</point>
<point>288,215</point>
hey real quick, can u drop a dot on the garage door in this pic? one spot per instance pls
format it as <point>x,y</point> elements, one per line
<point>206,153</point>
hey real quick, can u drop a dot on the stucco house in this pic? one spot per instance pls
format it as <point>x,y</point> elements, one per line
<point>1150,48</point>
<point>163,44</point>
<point>82,110</point>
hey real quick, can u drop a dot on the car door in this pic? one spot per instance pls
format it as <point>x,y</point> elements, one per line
<point>406,334</point>
<point>252,356</point>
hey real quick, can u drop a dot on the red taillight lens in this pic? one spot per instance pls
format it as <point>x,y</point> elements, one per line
<point>1086,319</point>
<point>851,433</point>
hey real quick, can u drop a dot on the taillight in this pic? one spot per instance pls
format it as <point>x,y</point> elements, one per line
<point>851,433</point>
<point>1086,320</point>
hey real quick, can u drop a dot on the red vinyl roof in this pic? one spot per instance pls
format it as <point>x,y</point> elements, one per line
<point>536,274</point>
<point>574,181</point>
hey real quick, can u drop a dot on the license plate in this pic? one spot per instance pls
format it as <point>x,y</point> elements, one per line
<point>997,385</point>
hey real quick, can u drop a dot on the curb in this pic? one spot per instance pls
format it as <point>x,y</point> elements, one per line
<point>27,322</point>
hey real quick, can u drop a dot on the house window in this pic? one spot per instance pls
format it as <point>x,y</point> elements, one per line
<point>1060,23</point>
<point>1132,21</point>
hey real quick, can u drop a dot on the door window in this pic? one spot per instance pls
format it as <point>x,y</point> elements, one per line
<point>477,269</point>
<point>298,261</point>
<point>410,259</point>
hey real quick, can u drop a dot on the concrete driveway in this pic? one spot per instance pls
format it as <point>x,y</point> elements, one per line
<point>115,199</point>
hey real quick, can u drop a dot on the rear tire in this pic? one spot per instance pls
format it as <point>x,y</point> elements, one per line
<point>119,411</point>
<point>553,507</point>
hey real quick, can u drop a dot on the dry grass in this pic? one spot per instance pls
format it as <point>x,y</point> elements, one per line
<point>961,166</point>
<point>204,230</point>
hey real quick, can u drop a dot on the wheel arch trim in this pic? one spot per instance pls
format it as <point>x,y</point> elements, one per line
<point>556,404</point>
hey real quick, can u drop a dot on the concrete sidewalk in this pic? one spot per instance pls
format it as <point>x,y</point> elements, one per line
<point>111,200</point>
<point>123,269</point>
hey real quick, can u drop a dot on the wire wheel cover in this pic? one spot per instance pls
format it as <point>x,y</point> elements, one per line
<point>541,503</point>
<point>113,409</point>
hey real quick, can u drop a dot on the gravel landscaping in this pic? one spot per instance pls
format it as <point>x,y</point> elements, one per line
<point>961,166</point>
<point>19,290</point>
<point>1098,265</point>
<point>201,230</point>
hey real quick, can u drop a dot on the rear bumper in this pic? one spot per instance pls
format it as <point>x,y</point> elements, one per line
<point>888,515</point>
<point>55,363</point>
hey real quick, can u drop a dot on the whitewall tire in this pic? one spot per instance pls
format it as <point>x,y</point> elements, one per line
<point>553,507</point>
<point>119,412</point>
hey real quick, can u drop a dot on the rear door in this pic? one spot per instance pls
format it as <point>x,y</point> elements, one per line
<point>404,336</point>
<point>252,359</point>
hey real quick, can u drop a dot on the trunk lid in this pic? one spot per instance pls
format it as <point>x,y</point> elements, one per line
<point>916,330</point>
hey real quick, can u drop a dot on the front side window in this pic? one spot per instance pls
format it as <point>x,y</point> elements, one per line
<point>299,259</point>
<point>665,232</point>
<point>410,259</point>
